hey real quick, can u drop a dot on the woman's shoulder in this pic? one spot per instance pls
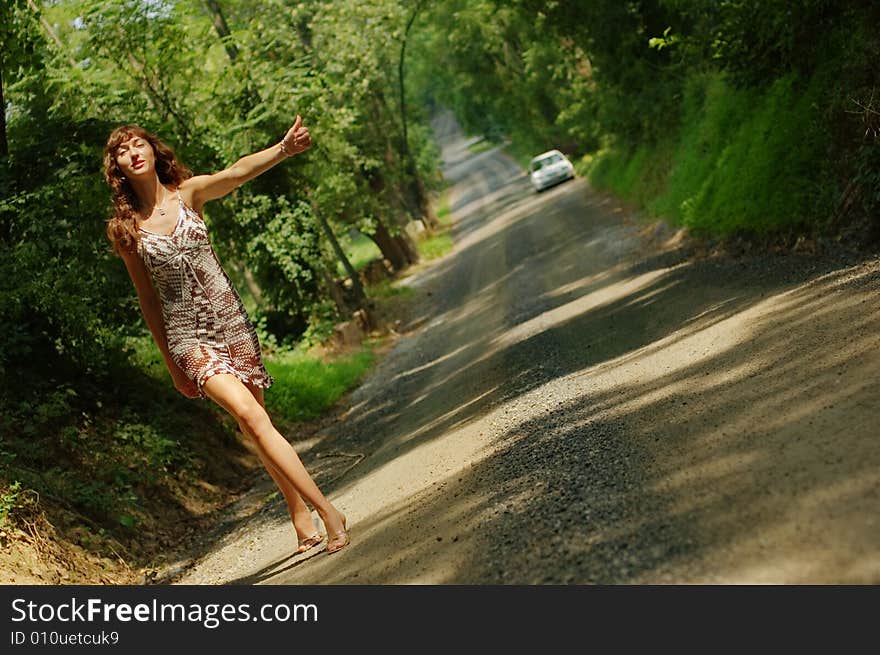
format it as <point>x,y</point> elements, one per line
<point>185,191</point>
<point>187,194</point>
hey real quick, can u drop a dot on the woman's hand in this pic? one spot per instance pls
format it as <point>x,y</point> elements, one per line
<point>198,190</point>
<point>297,139</point>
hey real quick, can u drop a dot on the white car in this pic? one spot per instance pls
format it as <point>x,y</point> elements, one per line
<point>549,168</point>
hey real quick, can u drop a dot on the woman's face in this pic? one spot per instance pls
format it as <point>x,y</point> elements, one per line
<point>135,157</point>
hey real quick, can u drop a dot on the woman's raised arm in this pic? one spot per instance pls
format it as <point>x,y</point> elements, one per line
<point>200,189</point>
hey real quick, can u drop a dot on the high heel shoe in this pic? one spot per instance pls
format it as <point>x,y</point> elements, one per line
<point>338,540</point>
<point>309,542</point>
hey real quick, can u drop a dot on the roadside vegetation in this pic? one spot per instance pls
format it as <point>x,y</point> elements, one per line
<point>746,118</point>
<point>439,242</point>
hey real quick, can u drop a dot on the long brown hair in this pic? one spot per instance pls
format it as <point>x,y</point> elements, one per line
<point>122,225</point>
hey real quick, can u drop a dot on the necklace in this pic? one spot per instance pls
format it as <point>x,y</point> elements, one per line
<point>164,198</point>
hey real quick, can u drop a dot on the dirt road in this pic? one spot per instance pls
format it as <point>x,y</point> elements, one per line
<point>578,400</point>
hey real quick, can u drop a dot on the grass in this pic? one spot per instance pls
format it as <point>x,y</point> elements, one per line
<point>440,243</point>
<point>387,290</point>
<point>390,299</point>
<point>120,451</point>
<point>360,251</point>
<point>444,215</point>
<point>147,357</point>
<point>743,160</point>
<point>481,146</point>
<point>518,146</point>
<point>435,246</point>
<point>306,385</point>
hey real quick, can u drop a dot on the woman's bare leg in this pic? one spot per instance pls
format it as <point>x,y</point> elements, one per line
<point>231,394</point>
<point>300,514</point>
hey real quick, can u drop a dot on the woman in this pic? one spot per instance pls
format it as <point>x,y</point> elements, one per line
<point>190,306</point>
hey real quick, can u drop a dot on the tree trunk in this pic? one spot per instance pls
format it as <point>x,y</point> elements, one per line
<point>400,70</point>
<point>160,101</point>
<point>249,280</point>
<point>408,192</point>
<point>51,32</point>
<point>336,295</point>
<point>415,187</point>
<point>4,144</point>
<point>359,294</point>
<point>390,247</point>
<point>429,218</point>
<point>407,246</point>
<point>222,28</point>
<point>252,285</point>
<point>250,96</point>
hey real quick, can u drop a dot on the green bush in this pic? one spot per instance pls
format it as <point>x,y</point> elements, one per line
<point>8,501</point>
<point>65,300</point>
<point>305,386</point>
<point>747,160</point>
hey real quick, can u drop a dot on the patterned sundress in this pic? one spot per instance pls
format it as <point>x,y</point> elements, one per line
<point>207,326</point>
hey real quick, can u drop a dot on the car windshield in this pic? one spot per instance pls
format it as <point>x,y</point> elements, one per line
<point>545,161</point>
